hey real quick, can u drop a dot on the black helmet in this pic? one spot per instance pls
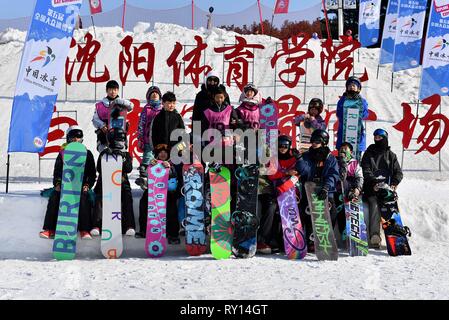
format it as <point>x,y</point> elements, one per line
<point>320,136</point>
<point>283,139</point>
<point>355,80</point>
<point>74,132</point>
<point>112,84</point>
<point>314,102</point>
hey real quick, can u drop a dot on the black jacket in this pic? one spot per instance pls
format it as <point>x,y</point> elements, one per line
<point>377,163</point>
<point>127,167</point>
<point>163,125</point>
<point>204,100</point>
<point>89,170</point>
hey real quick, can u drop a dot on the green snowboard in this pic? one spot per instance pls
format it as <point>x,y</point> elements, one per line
<point>74,158</point>
<point>221,229</point>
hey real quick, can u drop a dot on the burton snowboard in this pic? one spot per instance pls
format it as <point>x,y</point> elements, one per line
<point>352,124</point>
<point>295,243</point>
<point>269,122</point>
<point>193,191</point>
<point>74,159</point>
<point>325,244</point>
<point>221,228</point>
<point>111,234</point>
<point>156,235</point>
<point>244,219</point>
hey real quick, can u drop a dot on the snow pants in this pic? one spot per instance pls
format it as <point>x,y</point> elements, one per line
<point>373,221</point>
<point>266,210</point>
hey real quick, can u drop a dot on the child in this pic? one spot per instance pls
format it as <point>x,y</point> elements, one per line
<point>149,112</point>
<point>162,152</point>
<point>248,111</point>
<point>128,223</point>
<point>351,177</point>
<point>73,134</point>
<point>102,110</point>
<point>309,122</point>
<point>320,166</point>
<point>353,88</point>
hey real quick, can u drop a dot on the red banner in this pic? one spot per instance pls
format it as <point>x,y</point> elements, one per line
<point>281,6</point>
<point>95,6</point>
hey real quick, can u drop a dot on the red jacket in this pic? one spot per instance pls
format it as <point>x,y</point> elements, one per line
<point>280,178</point>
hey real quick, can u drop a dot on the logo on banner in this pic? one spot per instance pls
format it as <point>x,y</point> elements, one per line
<point>46,55</point>
<point>442,6</point>
<point>441,44</point>
<point>410,24</point>
<point>95,3</point>
<point>370,9</point>
<point>38,142</point>
<point>60,3</point>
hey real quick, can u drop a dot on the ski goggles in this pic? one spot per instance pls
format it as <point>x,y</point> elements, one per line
<point>284,146</point>
<point>213,79</point>
<point>381,132</point>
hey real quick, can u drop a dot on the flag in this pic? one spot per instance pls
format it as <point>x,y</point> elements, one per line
<point>389,33</point>
<point>281,6</point>
<point>95,6</point>
<point>436,52</point>
<point>41,73</point>
<point>409,34</point>
<point>331,4</point>
<point>350,4</point>
<point>369,22</point>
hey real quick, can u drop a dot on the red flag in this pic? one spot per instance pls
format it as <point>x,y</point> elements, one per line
<point>281,6</point>
<point>95,6</point>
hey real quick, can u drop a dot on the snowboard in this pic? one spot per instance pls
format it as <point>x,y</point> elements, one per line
<point>156,235</point>
<point>117,127</point>
<point>74,159</point>
<point>356,230</point>
<point>111,234</point>
<point>295,244</point>
<point>304,137</point>
<point>244,219</point>
<point>352,124</point>
<point>269,122</point>
<point>221,228</point>
<point>325,244</point>
<point>193,190</point>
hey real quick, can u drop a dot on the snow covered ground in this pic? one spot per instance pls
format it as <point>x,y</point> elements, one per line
<point>29,272</point>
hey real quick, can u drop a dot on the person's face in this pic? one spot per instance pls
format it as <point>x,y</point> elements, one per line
<point>352,87</point>
<point>76,139</point>
<point>344,151</point>
<point>316,144</point>
<point>219,98</point>
<point>212,81</point>
<point>250,94</point>
<point>154,96</point>
<point>169,105</point>
<point>163,155</point>
<point>313,111</point>
<point>283,148</point>
<point>112,92</point>
<point>378,138</point>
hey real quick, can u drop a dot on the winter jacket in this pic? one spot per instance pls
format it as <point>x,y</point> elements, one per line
<point>127,167</point>
<point>306,168</point>
<point>249,115</point>
<point>377,163</point>
<point>89,176</point>
<point>145,121</point>
<point>205,124</point>
<point>163,125</point>
<point>204,100</point>
<point>102,110</point>
<point>280,179</point>
<point>353,174</point>
<point>317,123</point>
<point>340,113</point>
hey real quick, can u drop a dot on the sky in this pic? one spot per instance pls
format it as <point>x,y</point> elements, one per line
<point>23,8</point>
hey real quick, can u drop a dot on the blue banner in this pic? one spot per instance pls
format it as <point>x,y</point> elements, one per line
<point>41,73</point>
<point>389,33</point>
<point>409,33</point>
<point>369,22</point>
<point>434,78</point>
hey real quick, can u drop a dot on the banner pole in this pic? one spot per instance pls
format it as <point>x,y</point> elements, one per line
<point>326,19</point>
<point>93,24</point>
<point>260,15</point>
<point>7,173</point>
<point>123,16</point>
<point>193,14</point>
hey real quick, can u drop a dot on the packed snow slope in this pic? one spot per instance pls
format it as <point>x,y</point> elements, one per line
<point>30,272</point>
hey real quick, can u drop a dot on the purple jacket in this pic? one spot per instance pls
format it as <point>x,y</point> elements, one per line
<point>145,121</point>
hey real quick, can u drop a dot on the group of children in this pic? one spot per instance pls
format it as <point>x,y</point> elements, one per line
<point>212,109</point>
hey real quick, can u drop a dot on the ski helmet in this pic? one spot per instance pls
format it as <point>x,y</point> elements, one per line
<point>212,74</point>
<point>320,136</point>
<point>380,132</point>
<point>74,132</point>
<point>354,80</point>
<point>284,140</point>
<point>112,84</point>
<point>316,103</point>
<point>250,86</point>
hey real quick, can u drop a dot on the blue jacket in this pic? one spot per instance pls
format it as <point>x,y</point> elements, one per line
<point>340,109</point>
<point>306,168</point>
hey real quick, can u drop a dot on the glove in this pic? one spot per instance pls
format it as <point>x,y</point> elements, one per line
<point>269,100</point>
<point>322,195</point>
<point>353,194</point>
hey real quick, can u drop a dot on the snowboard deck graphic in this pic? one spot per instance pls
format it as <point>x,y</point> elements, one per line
<point>269,122</point>
<point>111,234</point>
<point>195,231</point>
<point>304,137</point>
<point>325,244</point>
<point>156,235</point>
<point>244,219</point>
<point>397,244</point>
<point>74,159</point>
<point>221,228</point>
<point>356,228</point>
<point>352,124</point>
<point>294,238</point>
